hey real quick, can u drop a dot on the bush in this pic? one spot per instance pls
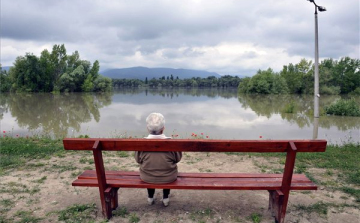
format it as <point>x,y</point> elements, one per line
<point>344,107</point>
<point>355,92</point>
<point>330,90</point>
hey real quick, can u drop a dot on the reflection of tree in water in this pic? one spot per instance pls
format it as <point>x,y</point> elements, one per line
<point>3,104</point>
<point>175,92</point>
<point>267,105</point>
<point>55,114</point>
<point>342,123</point>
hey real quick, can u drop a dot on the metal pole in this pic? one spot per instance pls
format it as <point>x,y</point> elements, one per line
<point>316,128</point>
<point>316,74</point>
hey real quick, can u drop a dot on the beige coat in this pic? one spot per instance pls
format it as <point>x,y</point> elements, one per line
<point>158,167</point>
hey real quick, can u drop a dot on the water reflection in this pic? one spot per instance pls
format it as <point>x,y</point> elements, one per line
<point>175,92</point>
<point>218,113</point>
<point>54,114</point>
<point>269,105</point>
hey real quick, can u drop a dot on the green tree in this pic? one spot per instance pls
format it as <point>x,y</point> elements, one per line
<point>88,84</point>
<point>5,82</point>
<point>73,61</point>
<point>244,85</point>
<point>102,84</point>
<point>297,76</point>
<point>46,69</point>
<point>26,73</point>
<point>78,76</point>
<point>279,85</point>
<point>59,64</point>
<point>94,71</point>
<point>348,74</point>
<point>264,82</point>
<point>66,83</point>
<point>55,71</point>
<point>261,83</point>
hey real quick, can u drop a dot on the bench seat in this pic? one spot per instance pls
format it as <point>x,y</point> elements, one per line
<point>201,181</point>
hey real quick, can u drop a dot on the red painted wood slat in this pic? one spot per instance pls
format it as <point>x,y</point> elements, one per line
<point>90,173</point>
<point>204,185</point>
<point>195,145</point>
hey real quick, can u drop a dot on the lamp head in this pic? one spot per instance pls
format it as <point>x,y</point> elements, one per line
<point>321,8</point>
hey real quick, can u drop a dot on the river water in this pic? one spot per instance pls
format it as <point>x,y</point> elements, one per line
<point>208,113</point>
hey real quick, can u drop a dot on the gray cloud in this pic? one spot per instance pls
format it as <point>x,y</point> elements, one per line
<point>222,36</point>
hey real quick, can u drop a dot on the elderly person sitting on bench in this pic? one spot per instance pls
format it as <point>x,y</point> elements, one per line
<point>157,167</point>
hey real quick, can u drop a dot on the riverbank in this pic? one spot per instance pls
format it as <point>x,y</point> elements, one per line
<point>37,173</point>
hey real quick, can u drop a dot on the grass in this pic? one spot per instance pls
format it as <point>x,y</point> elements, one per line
<point>17,188</point>
<point>353,192</point>
<point>84,160</point>
<point>122,212</point>
<point>41,180</point>
<point>123,154</point>
<point>133,218</point>
<point>255,217</point>
<point>78,213</point>
<point>17,152</point>
<point>75,174</point>
<point>26,217</point>
<point>341,158</point>
<point>6,204</point>
<point>63,168</point>
<point>320,208</point>
<point>202,215</point>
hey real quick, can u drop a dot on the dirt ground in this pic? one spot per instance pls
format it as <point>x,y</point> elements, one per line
<point>49,183</point>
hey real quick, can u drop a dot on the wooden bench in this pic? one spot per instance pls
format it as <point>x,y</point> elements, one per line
<point>278,185</point>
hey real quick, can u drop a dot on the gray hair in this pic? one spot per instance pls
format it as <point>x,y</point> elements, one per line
<point>155,123</point>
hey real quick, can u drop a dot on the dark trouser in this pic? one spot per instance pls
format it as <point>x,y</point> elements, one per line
<point>151,193</point>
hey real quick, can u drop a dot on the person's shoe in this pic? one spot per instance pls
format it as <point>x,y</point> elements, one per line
<point>151,201</point>
<point>166,202</point>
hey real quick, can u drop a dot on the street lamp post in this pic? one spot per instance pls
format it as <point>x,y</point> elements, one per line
<point>316,71</point>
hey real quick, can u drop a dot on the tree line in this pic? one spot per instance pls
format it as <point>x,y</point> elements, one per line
<point>53,71</point>
<point>335,77</point>
<point>56,71</point>
<point>225,81</point>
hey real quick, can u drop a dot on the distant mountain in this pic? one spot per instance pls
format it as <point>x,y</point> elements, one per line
<point>143,72</point>
<point>6,68</point>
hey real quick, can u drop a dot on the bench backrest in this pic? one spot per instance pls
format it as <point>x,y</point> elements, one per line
<point>195,145</point>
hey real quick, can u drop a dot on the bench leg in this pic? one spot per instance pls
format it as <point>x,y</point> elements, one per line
<point>107,210</point>
<point>114,198</point>
<point>276,202</point>
<point>110,201</point>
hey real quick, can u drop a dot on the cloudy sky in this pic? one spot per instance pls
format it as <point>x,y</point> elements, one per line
<point>224,36</point>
